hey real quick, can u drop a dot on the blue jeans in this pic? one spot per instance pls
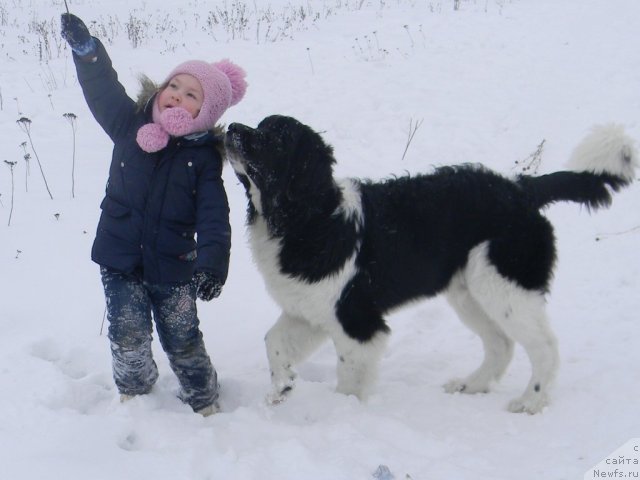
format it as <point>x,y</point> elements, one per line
<point>130,302</point>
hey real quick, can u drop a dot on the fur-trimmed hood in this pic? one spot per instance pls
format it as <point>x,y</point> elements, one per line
<point>148,90</point>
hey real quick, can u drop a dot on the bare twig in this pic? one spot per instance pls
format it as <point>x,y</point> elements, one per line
<point>604,236</point>
<point>72,121</point>
<point>27,171</point>
<point>11,165</point>
<point>104,316</point>
<point>531,164</point>
<point>413,128</point>
<point>25,125</point>
<point>310,61</point>
<point>406,27</point>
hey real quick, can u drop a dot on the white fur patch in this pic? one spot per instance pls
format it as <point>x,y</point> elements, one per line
<point>358,363</point>
<point>254,191</point>
<point>606,149</point>
<point>518,314</point>
<point>313,302</point>
<point>351,206</point>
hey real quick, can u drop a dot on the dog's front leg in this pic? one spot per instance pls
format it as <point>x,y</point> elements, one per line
<point>358,362</point>
<point>290,341</point>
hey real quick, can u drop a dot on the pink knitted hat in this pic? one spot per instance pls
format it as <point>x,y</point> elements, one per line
<point>223,85</point>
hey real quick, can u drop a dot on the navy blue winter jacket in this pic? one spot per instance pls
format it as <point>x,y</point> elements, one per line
<point>156,203</point>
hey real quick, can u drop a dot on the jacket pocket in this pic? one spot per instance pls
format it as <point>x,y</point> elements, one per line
<point>113,208</point>
<point>115,223</point>
<point>176,239</point>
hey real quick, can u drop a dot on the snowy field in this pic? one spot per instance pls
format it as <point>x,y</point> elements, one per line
<point>507,83</point>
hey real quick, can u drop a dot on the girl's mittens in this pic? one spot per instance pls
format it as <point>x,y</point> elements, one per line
<point>208,286</point>
<point>77,35</point>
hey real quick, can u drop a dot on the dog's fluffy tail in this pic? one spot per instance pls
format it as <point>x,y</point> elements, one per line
<point>604,161</point>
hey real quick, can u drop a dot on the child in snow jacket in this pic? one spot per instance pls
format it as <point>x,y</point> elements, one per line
<point>164,188</point>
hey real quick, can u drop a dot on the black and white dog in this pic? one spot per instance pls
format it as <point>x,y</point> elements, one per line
<point>339,255</point>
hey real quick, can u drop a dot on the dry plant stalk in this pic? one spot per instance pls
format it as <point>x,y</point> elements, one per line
<point>413,128</point>
<point>72,121</point>
<point>25,125</point>
<point>11,166</point>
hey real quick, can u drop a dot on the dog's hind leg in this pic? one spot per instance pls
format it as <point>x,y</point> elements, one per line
<point>498,347</point>
<point>290,341</point>
<point>529,326</point>
<point>358,362</point>
<point>521,314</point>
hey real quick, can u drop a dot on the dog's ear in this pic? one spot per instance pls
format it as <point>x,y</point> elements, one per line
<point>311,168</point>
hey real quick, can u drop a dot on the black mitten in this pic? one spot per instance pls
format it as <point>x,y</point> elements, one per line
<point>77,35</point>
<point>208,285</point>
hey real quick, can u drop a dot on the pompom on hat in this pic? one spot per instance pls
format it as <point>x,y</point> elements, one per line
<point>223,85</point>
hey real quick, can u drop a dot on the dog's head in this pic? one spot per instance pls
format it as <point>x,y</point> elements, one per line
<point>280,162</point>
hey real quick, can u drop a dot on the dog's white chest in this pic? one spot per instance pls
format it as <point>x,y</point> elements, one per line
<point>315,302</point>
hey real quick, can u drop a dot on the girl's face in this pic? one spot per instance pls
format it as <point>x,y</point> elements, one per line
<point>184,91</point>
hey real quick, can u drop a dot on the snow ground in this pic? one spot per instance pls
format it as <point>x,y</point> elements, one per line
<point>489,82</point>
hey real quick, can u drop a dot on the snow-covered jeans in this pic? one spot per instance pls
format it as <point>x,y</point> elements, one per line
<point>130,302</point>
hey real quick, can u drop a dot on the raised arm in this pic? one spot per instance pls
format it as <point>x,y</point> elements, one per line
<point>106,97</point>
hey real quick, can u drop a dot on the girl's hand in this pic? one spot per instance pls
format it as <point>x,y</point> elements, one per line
<point>208,286</point>
<point>77,35</point>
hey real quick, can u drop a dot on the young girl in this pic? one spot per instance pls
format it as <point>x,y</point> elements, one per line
<point>164,189</point>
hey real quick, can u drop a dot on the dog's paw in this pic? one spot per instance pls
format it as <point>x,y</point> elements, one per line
<point>458,385</point>
<point>528,404</point>
<point>278,396</point>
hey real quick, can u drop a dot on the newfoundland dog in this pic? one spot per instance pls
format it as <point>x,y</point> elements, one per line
<point>338,255</point>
